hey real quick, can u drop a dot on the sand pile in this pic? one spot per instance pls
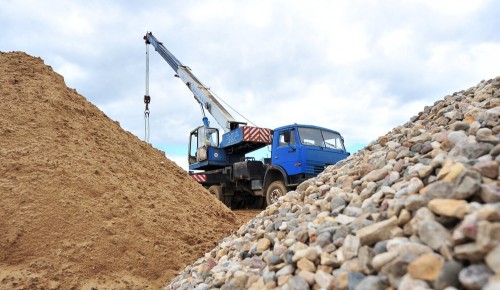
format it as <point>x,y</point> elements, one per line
<point>84,203</point>
<point>419,208</point>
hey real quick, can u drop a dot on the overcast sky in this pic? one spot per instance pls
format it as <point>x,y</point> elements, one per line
<point>359,67</point>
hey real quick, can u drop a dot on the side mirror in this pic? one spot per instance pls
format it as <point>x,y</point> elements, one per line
<point>286,137</point>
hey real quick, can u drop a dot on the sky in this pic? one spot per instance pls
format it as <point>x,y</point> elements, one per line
<point>358,67</point>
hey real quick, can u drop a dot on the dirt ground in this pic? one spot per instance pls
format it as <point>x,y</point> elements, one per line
<point>86,204</point>
<point>243,216</point>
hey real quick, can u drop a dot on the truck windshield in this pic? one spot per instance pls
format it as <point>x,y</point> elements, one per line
<point>321,138</point>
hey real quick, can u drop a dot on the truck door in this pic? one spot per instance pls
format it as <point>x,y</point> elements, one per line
<point>286,154</point>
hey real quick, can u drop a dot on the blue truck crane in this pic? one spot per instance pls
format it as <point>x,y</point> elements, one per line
<point>298,152</point>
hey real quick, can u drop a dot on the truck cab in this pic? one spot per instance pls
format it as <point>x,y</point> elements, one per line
<point>300,152</point>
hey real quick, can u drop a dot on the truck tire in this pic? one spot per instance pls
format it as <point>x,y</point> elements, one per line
<point>275,191</point>
<point>258,202</point>
<point>217,191</point>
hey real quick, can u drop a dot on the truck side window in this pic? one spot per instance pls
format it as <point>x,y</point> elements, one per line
<point>285,135</point>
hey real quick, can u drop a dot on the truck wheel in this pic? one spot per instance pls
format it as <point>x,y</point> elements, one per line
<point>258,202</point>
<point>275,191</point>
<point>217,191</point>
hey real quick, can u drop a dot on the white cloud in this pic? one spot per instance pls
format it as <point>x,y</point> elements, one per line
<point>181,161</point>
<point>455,8</point>
<point>355,66</point>
<point>72,72</point>
<point>397,43</point>
<point>258,14</point>
<point>486,59</point>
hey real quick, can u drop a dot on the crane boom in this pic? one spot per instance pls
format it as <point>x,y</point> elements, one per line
<point>201,93</point>
<point>298,152</point>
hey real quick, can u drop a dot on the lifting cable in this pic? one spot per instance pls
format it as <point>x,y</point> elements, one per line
<point>220,99</point>
<point>147,99</point>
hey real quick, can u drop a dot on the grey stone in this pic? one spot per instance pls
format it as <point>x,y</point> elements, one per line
<point>475,276</point>
<point>269,276</point>
<point>456,137</point>
<point>460,125</point>
<point>426,148</point>
<point>324,238</point>
<point>495,150</point>
<point>400,164</point>
<point>420,170</point>
<point>468,187</point>
<point>487,168</point>
<point>238,281</point>
<point>324,280</point>
<point>397,267</point>
<point>420,138</point>
<point>414,202</point>
<point>442,121</point>
<point>422,214</point>
<point>383,259</point>
<point>337,202</point>
<point>365,256</point>
<point>417,147</point>
<point>485,135</point>
<point>372,283</point>
<point>354,278</point>
<point>380,247</point>
<point>373,233</point>
<point>401,246</point>
<point>490,192</point>
<point>448,275</point>
<point>439,189</point>
<point>493,259</point>
<point>488,234</point>
<point>274,259</point>
<point>468,251</point>
<point>408,283</point>
<point>415,185</point>
<point>341,232</point>
<point>344,219</point>
<point>474,126</point>
<point>376,175</point>
<point>287,270</point>
<point>353,211</point>
<point>433,234</point>
<point>393,177</point>
<point>202,286</point>
<point>471,151</point>
<point>297,283</point>
<point>405,152</point>
<point>440,136</point>
<point>350,247</point>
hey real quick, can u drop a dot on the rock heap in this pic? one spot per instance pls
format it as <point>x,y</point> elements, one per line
<point>417,209</point>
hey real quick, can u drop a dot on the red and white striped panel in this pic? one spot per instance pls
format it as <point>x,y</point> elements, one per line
<point>262,135</point>
<point>199,177</point>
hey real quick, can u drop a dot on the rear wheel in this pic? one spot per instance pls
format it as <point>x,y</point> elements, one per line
<point>275,191</point>
<point>258,202</point>
<point>217,191</point>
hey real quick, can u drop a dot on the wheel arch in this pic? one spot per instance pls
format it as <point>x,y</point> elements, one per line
<point>274,174</point>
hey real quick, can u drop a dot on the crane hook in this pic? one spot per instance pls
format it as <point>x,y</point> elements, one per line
<point>147,98</point>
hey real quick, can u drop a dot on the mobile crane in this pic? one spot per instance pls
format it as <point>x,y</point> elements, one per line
<point>298,152</point>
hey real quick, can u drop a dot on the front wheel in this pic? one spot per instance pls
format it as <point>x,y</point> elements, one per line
<point>275,191</point>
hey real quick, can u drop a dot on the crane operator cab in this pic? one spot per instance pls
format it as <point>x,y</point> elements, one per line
<point>200,140</point>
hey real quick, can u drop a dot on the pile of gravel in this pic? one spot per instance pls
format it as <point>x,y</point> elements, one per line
<point>417,209</point>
